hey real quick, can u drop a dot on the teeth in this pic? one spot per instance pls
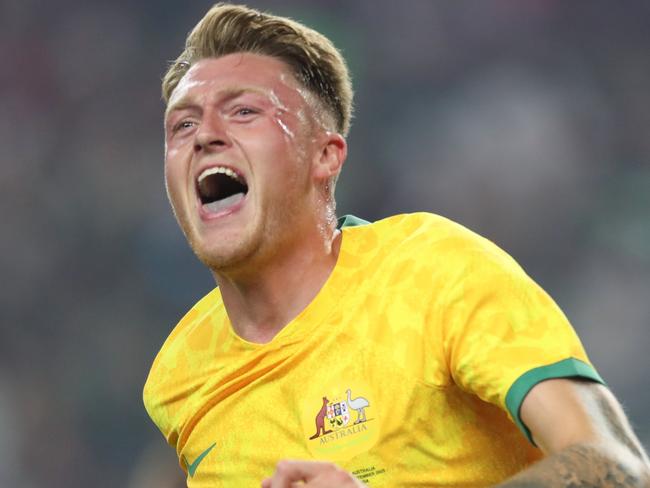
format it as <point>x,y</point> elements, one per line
<point>217,170</point>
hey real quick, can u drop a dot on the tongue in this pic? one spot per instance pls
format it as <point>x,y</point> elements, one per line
<point>224,203</point>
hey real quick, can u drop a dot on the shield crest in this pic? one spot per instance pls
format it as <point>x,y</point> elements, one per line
<point>338,414</point>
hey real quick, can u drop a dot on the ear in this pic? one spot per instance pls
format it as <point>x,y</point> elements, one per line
<point>330,158</point>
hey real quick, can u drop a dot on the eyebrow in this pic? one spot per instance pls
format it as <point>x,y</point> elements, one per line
<point>225,95</point>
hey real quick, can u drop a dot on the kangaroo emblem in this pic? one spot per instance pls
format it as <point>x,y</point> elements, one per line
<point>320,420</point>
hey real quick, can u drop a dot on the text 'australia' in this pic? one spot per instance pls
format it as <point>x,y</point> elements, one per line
<point>343,433</point>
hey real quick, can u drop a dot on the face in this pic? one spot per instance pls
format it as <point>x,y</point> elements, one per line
<point>239,142</point>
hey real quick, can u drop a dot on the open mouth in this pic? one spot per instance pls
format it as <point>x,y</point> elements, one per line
<point>220,188</point>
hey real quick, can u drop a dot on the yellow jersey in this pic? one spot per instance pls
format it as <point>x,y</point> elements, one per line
<point>407,369</point>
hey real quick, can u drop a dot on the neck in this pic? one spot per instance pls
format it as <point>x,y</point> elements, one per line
<point>260,304</point>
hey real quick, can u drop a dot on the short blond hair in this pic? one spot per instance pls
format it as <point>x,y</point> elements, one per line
<point>314,60</point>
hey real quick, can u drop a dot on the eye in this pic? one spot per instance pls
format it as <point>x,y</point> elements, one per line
<point>244,112</point>
<point>183,124</point>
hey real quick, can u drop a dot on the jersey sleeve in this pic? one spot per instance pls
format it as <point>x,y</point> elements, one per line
<point>502,333</point>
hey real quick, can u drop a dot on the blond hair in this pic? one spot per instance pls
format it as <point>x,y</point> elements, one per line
<point>313,59</point>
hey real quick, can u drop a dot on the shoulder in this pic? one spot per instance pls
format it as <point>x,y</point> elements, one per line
<point>431,238</point>
<point>190,329</point>
<point>195,319</point>
<point>176,370</point>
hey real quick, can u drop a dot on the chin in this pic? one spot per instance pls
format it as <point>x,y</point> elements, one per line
<point>224,258</point>
<point>219,259</point>
<point>230,251</point>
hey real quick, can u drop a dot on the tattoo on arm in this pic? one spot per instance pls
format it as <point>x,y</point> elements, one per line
<point>618,427</point>
<point>579,466</point>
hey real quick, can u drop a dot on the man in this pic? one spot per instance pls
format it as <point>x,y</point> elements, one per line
<point>405,352</point>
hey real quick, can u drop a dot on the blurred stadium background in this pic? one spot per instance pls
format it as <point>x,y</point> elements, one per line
<point>527,121</point>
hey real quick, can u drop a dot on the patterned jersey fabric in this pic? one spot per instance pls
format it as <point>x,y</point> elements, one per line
<point>407,369</point>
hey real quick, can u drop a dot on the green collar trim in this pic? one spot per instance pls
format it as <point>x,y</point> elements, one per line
<point>350,221</point>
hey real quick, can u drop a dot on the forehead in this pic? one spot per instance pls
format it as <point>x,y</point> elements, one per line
<point>247,71</point>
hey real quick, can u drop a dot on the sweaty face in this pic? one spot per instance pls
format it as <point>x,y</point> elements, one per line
<point>237,154</point>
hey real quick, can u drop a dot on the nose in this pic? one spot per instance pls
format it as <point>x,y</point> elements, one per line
<point>211,135</point>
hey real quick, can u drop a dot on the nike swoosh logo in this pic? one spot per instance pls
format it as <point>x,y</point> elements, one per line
<point>191,468</point>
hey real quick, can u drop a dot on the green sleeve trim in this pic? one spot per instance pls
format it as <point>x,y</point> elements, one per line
<point>567,368</point>
<point>350,221</point>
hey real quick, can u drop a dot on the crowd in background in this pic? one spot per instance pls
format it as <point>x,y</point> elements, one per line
<point>526,121</point>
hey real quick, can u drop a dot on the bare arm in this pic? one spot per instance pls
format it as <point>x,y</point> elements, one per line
<point>587,439</point>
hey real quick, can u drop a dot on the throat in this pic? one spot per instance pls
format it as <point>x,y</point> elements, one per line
<point>266,298</point>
